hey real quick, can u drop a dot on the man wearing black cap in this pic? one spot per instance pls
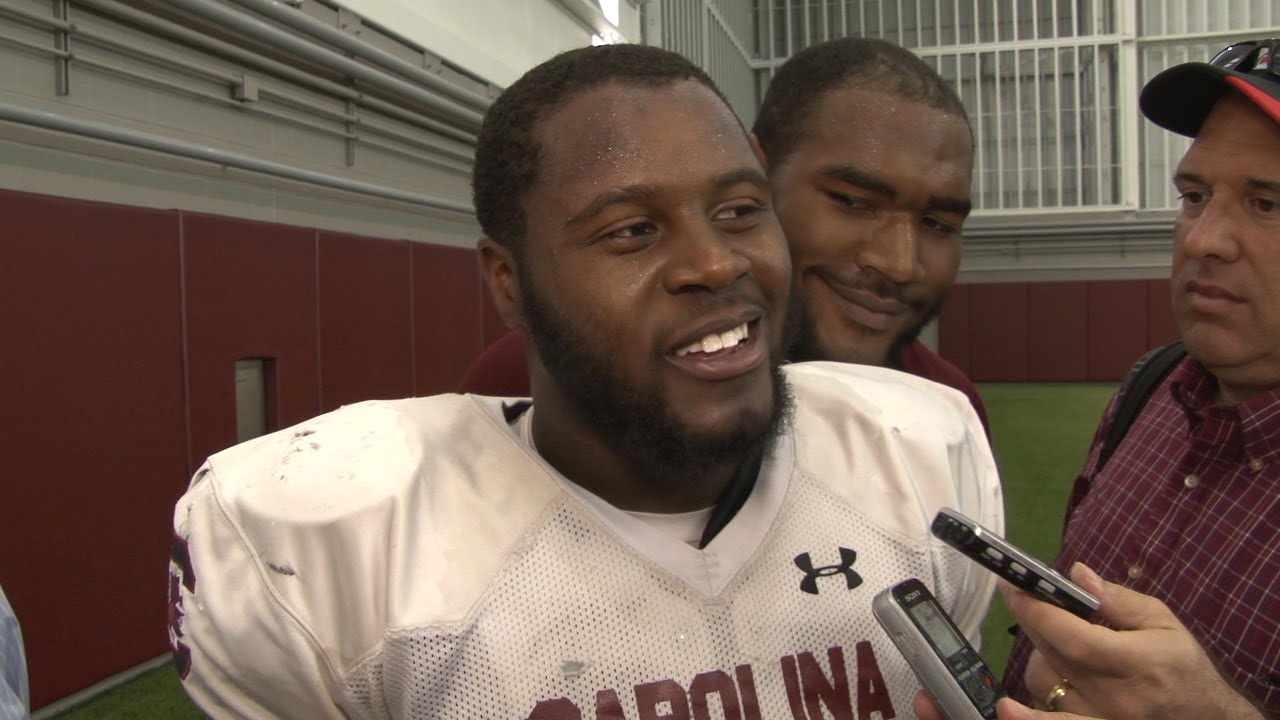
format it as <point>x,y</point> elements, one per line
<point>1187,510</point>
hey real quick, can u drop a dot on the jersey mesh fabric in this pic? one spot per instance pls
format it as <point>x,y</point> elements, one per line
<point>575,613</point>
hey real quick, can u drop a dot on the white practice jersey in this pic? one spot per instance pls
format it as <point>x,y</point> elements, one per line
<point>418,559</point>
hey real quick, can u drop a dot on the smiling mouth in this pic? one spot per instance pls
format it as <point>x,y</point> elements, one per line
<point>715,342</point>
<point>870,310</point>
<point>870,300</point>
<point>723,355</point>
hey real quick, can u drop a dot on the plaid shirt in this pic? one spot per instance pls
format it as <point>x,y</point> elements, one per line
<point>1188,510</point>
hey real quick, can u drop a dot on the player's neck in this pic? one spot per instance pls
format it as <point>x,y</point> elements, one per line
<point>609,469</point>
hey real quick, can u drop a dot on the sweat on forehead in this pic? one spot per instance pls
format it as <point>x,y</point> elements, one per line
<point>601,126</point>
<point>507,147</point>
<point>847,63</point>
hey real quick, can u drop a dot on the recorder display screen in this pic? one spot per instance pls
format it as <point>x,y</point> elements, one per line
<point>937,628</point>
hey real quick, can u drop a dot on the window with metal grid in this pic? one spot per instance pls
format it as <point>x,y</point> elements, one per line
<point>1050,85</point>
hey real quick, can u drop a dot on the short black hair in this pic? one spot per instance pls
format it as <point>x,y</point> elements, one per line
<point>845,63</point>
<point>507,149</point>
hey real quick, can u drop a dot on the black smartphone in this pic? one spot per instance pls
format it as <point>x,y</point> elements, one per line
<point>946,664</point>
<point>1012,564</point>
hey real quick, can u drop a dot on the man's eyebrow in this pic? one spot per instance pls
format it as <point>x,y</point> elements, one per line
<point>750,176</point>
<point>959,206</point>
<point>865,180</point>
<point>859,178</point>
<point>1252,183</point>
<point>635,193</point>
<point>626,193</point>
<point>1260,184</point>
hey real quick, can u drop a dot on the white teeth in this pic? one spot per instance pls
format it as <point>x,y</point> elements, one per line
<point>716,341</point>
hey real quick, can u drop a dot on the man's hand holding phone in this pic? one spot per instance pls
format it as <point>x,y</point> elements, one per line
<point>1149,666</point>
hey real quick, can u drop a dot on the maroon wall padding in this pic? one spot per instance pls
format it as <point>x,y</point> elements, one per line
<point>998,332</point>
<point>1117,327</point>
<point>953,329</point>
<point>448,327</point>
<point>1057,331</point>
<point>251,292</point>
<point>102,306</point>
<point>366,319</point>
<point>1082,331</point>
<point>1161,328</point>
<point>94,433</point>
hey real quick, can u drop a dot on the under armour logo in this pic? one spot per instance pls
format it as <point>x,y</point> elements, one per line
<point>811,574</point>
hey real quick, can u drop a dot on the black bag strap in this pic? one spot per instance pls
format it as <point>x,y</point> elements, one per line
<point>1135,390</point>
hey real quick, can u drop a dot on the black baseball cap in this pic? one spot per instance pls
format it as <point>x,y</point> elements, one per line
<point>1180,98</point>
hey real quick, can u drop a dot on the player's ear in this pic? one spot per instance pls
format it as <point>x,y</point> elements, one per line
<point>759,151</point>
<point>497,263</point>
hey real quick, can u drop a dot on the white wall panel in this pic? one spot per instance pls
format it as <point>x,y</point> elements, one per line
<point>149,81</point>
<point>497,40</point>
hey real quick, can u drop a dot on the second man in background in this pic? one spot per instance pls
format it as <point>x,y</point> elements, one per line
<point>870,156</point>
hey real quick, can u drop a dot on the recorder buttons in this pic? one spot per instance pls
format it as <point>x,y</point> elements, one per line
<point>981,687</point>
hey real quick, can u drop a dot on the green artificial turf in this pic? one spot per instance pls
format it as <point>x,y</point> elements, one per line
<point>154,695</point>
<point>1041,434</point>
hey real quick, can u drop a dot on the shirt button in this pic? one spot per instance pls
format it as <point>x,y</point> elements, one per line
<point>1255,464</point>
<point>1135,572</point>
<point>1191,481</point>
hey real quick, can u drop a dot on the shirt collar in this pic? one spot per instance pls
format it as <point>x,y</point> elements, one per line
<point>1194,388</point>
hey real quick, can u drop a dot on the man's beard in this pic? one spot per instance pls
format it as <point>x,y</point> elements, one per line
<point>637,423</point>
<point>893,358</point>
